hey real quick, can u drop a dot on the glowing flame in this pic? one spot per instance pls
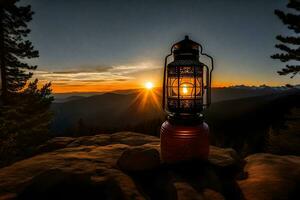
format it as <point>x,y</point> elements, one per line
<point>184,89</point>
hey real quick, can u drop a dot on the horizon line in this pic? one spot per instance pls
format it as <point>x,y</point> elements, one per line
<point>141,88</point>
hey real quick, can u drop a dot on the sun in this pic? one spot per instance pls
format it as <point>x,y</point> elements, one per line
<point>149,85</point>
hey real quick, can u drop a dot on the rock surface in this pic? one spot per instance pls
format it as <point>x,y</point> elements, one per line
<point>126,165</point>
<point>271,177</point>
<point>138,159</point>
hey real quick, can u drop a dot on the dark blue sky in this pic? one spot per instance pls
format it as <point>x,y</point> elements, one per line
<point>91,35</point>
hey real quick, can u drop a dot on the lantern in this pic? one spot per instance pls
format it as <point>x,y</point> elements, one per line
<point>186,92</point>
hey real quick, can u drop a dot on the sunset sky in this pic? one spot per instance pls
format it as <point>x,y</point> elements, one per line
<point>106,45</point>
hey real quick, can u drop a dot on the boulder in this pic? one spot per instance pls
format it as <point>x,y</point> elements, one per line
<point>186,191</point>
<point>271,177</point>
<point>138,159</point>
<point>223,157</point>
<point>226,163</point>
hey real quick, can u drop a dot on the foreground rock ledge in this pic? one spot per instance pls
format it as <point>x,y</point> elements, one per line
<point>126,165</point>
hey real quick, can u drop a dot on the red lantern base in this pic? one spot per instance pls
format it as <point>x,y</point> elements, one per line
<point>184,142</point>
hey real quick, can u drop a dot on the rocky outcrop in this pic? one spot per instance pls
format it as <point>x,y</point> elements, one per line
<point>127,165</point>
<point>271,177</point>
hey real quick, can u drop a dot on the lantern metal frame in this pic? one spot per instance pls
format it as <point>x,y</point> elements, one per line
<point>205,90</point>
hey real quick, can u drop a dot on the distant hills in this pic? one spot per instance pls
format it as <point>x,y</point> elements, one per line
<point>239,117</point>
<point>121,109</point>
<point>63,97</point>
<point>107,112</point>
<point>218,93</point>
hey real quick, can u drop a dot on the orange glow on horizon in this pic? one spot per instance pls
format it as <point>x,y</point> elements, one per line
<point>57,88</point>
<point>106,87</point>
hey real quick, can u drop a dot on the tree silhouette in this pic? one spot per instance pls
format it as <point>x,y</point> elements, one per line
<point>14,47</point>
<point>24,115</point>
<point>24,122</point>
<point>289,44</point>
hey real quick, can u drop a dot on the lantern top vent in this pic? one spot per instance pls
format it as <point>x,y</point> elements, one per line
<point>186,50</point>
<point>186,44</point>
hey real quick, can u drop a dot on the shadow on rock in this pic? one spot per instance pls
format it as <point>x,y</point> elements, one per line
<point>56,184</point>
<point>155,184</point>
<point>203,176</point>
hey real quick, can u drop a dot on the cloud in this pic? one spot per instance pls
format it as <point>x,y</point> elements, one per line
<point>131,69</point>
<point>84,69</point>
<point>94,74</point>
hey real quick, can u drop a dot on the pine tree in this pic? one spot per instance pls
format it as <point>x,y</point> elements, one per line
<point>24,123</point>
<point>289,44</point>
<point>14,47</point>
<point>25,115</point>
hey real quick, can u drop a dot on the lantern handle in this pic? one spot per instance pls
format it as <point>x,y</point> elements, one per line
<point>207,88</point>
<point>164,80</point>
<point>210,73</point>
